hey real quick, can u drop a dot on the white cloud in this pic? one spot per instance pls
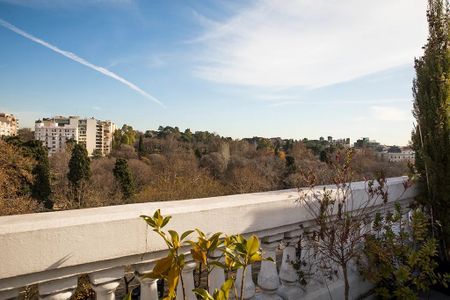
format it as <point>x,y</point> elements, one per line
<point>80,60</point>
<point>390,113</point>
<point>311,43</point>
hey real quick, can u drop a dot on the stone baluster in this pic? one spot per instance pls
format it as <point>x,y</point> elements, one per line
<point>290,286</point>
<point>188,282</point>
<point>268,279</point>
<point>59,289</point>
<point>314,276</point>
<point>249,288</point>
<point>407,219</point>
<point>9,294</point>
<point>217,275</point>
<point>105,282</point>
<point>149,287</point>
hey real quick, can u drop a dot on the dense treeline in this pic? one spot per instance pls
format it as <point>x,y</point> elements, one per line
<point>166,164</point>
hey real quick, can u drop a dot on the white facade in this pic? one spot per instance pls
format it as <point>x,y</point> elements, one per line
<point>104,136</point>
<point>87,132</point>
<point>54,133</point>
<point>94,134</point>
<point>397,157</point>
<point>8,124</point>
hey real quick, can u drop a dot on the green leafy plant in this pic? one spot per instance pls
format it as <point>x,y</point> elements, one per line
<point>169,267</point>
<point>219,294</point>
<point>400,256</point>
<point>239,252</point>
<point>203,251</point>
<point>236,252</point>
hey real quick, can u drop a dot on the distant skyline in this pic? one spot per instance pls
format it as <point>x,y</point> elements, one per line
<point>289,69</point>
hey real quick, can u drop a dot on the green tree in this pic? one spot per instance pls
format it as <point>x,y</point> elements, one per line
<point>124,178</point>
<point>125,139</point>
<point>130,133</point>
<point>41,188</point>
<point>97,153</point>
<point>290,165</point>
<point>117,139</point>
<point>141,149</point>
<point>323,156</point>
<point>79,172</point>
<point>431,137</point>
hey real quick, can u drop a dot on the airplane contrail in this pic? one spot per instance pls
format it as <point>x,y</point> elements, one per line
<point>80,60</point>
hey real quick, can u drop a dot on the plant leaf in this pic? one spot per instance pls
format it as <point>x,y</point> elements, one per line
<point>203,294</point>
<point>252,245</point>
<point>185,234</point>
<point>175,238</point>
<point>163,266</point>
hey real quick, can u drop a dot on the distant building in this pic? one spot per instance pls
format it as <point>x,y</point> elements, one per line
<point>366,143</point>
<point>345,142</point>
<point>8,124</point>
<point>405,154</point>
<point>104,136</point>
<point>94,134</point>
<point>55,132</point>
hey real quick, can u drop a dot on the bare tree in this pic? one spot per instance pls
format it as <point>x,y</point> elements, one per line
<point>340,219</point>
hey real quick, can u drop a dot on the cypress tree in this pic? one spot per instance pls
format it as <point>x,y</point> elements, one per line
<point>141,149</point>
<point>124,178</point>
<point>41,188</point>
<point>79,171</point>
<point>431,137</point>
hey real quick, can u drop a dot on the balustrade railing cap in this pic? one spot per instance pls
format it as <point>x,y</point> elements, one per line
<point>47,246</point>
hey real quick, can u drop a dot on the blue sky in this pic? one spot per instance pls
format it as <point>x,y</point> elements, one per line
<point>292,69</point>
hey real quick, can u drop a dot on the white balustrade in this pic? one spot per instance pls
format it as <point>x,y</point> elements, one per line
<point>188,282</point>
<point>9,294</point>
<point>290,284</point>
<point>268,279</point>
<point>315,277</point>
<point>248,288</point>
<point>104,283</point>
<point>52,249</point>
<point>60,289</point>
<point>148,286</point>
<point>217,275</point>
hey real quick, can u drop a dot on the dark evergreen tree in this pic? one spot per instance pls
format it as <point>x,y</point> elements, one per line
<point>141,149</point>
<point>79,172</point>
<point>97,153</point>
<point>124,178</point>
<point>323,156</point>
<point>41,188</point>
<point>290,164</point>
<point>431,137</point>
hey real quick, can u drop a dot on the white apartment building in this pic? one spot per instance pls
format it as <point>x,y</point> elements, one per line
<point>104,136</point>
<point>94,134</point>
<point>55,132</point>
<point>405,155</point>
<point>87,132</point>
<point>8,124</point>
